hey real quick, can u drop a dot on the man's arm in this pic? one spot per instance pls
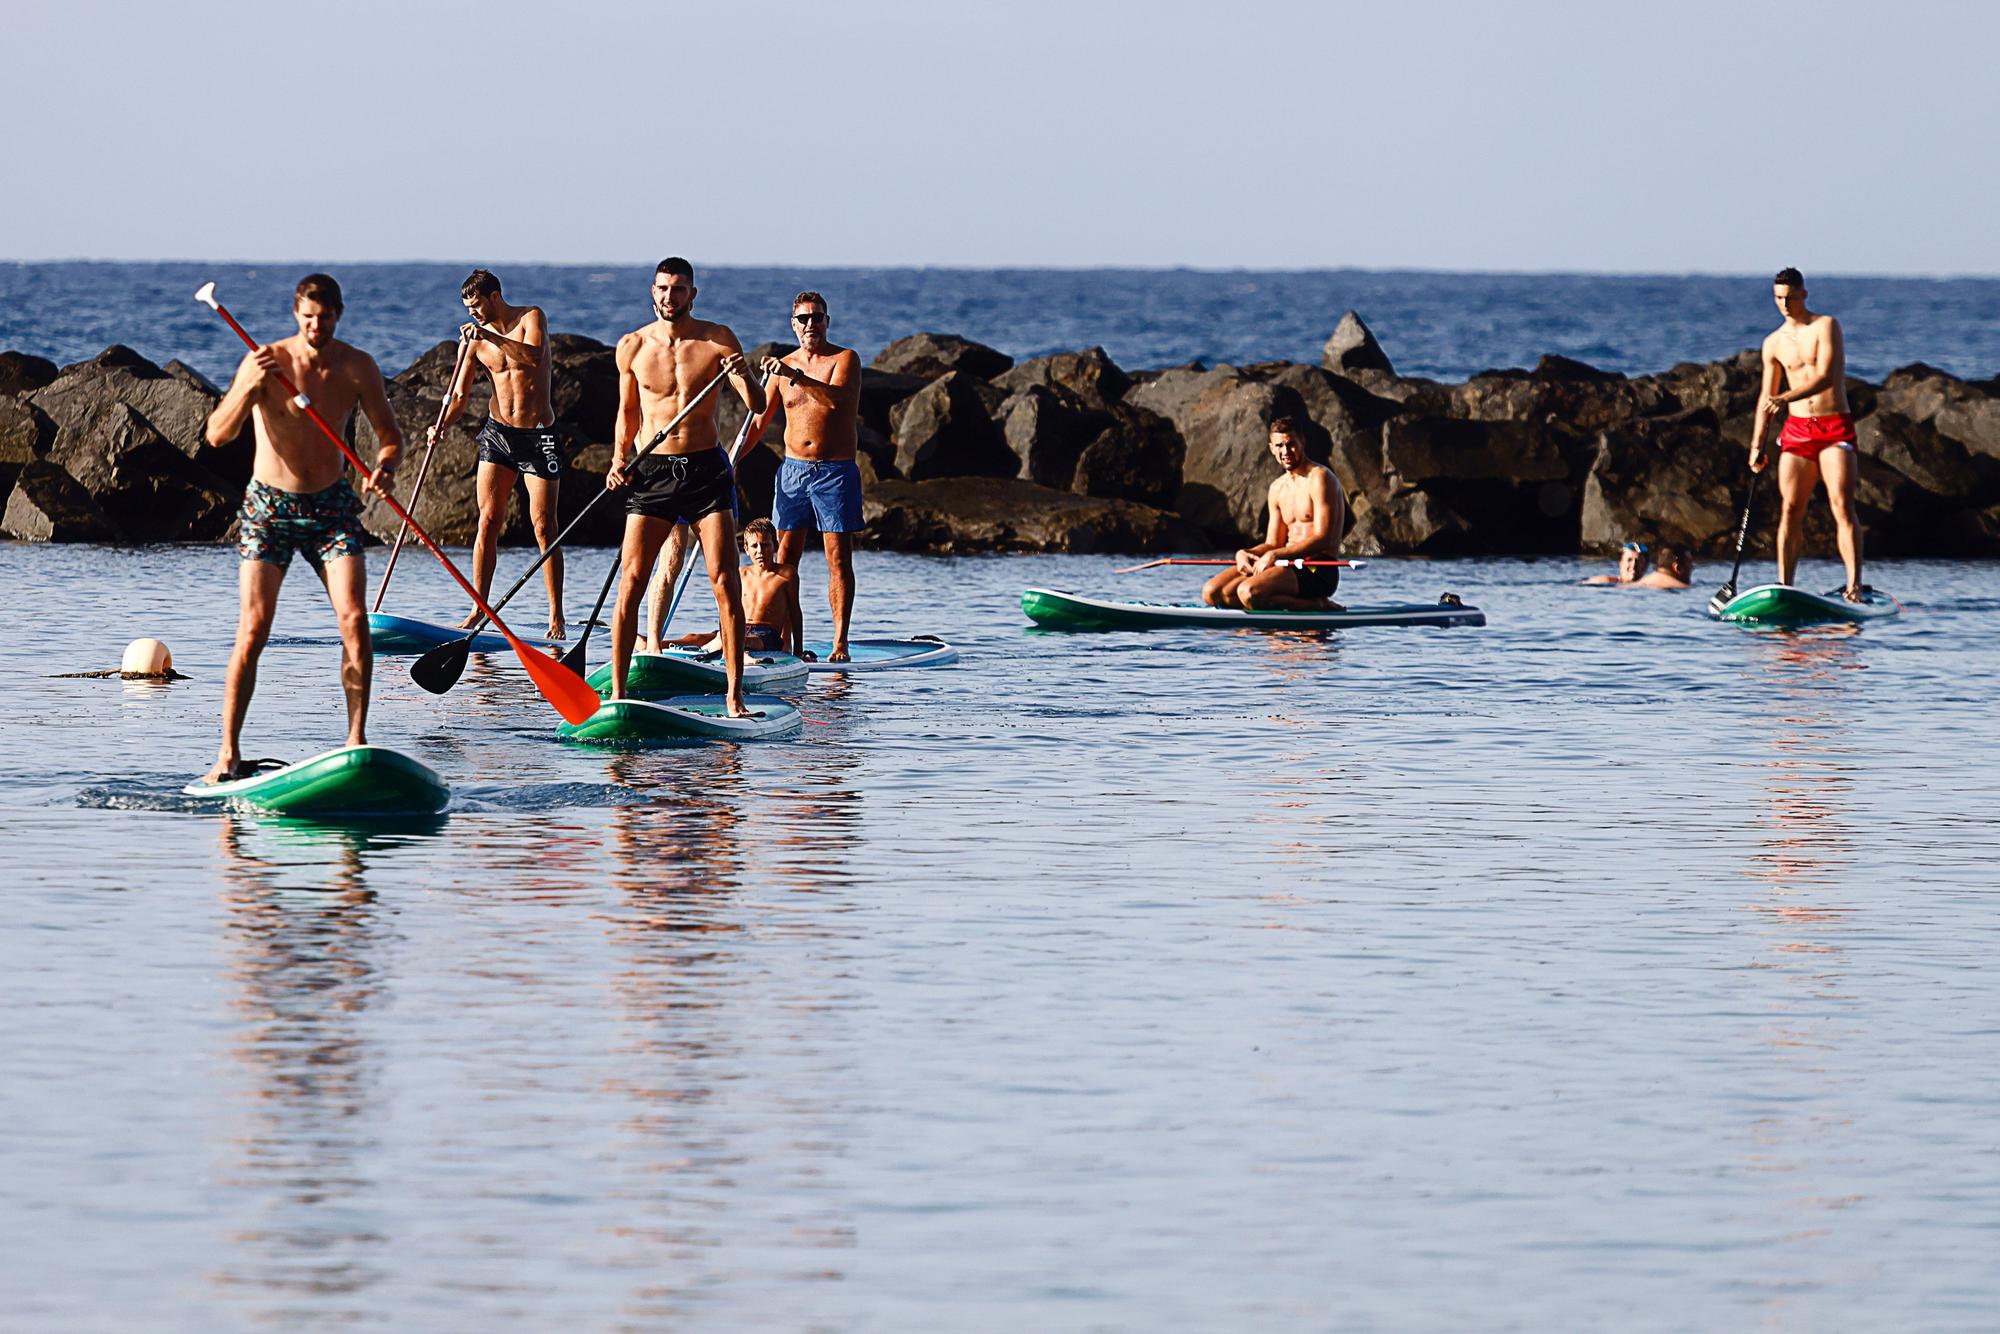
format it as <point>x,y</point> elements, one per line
<point>841,386</point>
<point>226,422</point>
<point>388,435</point>
<point>1768,404</point>
<point>748,387</point>
<point>630,412</point>
<point>454,396</point>
<point>1274,532</point>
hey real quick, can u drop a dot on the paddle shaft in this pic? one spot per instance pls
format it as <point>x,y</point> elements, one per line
<point>584,513</point>
<point>305,405</point>
<point>1291,562</point>
<point>1742,532</point>
<point>744,439</point>
<point>423,468</point>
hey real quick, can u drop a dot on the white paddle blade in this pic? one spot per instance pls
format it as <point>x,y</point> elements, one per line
<point>207,296</point>
<point>302,401</point>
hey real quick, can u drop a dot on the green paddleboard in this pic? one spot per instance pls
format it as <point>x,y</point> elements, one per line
<point>351,781</point>
<point>1072,611</point>
<point>652,722</point>
<point>1783,604</point>
<point>680,671</point>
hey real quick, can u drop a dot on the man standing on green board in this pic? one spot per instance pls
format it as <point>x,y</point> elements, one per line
<point>1805,375</point>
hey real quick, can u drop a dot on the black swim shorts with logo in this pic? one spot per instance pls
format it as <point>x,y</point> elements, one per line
<point>532,451</point>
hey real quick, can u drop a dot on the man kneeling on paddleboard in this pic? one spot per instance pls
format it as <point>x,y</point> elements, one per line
<point>298,499</point>
<point>770,596</point>
<point>1308,515</point>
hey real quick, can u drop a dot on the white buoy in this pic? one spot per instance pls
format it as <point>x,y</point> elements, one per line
<point>147,657</point>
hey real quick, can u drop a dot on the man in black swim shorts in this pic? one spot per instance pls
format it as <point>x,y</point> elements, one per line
<point>519,440</point>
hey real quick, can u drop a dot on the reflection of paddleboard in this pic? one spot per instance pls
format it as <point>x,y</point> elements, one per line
<point>877,655</point>
<point>1782,604</point>
<point>1071,611</point>
<point>405,634</point>
<point>680,670</point>
<point>639,722</point>
<point>354,780</point>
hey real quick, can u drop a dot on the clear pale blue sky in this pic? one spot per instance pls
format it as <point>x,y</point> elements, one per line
<point>1664,137</point>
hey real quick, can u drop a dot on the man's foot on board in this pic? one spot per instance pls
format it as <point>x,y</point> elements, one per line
<point>838,653</point>
<point>223,772</point>
<point>737,709</point>
<point>472,619</point>
<point>1856,592</point>
<point>557,630</point>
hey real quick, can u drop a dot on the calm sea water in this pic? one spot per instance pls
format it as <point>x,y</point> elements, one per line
<point>1601,968</point>
<point>1438,324</point>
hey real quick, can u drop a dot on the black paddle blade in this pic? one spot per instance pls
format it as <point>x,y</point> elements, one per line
<point>573,656</point>
<point>438,670</point>
<point>1723,597</point>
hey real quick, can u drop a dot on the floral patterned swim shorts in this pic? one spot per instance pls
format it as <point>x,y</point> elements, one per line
<point>320,525</point>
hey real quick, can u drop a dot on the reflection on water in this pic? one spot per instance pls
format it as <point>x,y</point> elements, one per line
<point>306,946</point>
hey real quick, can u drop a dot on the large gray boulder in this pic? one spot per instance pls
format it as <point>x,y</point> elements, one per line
<point>971,514</point>
<point>944,430</point>
<point>1351,347</point>
<point>173,405</point>
<point>1137,457</point>
<point>136,477</point>
<point>930,355</point>
<point>1673,479</point>
<point>48,505</point>
<point>23,373</point>
<point>1090,376</point>
<point>23,437</point>
<point>1047,427</point>
<point>1223,418</point>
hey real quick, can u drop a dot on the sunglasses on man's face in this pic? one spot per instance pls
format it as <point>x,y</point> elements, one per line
<point>812,317</point>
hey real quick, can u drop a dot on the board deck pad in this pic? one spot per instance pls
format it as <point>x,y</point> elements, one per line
<point>642,722</point>
<point>881,655</point>
<point>680,671</point>
<point>350,781</point>
<point>1056,610</point>
<point>1785,604</point>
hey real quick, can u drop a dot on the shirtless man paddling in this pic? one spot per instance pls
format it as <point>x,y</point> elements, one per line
<point>518,439</point>
<point>1805,370</point>
<point>819,483</point>
<point>1308,512</point>
<point>298,499</point>
<point>687,478</point>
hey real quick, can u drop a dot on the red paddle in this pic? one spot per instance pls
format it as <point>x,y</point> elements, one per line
<point>572,696</point>
<point>1291,561</point>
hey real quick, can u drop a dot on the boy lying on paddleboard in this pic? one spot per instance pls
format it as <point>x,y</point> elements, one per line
<point>770,597</point>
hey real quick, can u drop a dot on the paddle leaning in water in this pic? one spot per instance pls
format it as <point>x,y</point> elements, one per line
<point>438,670</point>
<point>424,468</point>
<point>1725,594</point>
<point>569,693</point>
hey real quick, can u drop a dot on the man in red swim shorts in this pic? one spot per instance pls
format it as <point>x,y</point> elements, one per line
<point>1805,371</point>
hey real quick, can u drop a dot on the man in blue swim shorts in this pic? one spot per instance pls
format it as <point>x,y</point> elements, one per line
<point>819,483</point>
<point>299,500</point>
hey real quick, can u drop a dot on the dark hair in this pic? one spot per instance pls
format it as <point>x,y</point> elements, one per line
<point>814,297</point>
<point>479,282</point>
<point>319,287</point>
<point>764,526</point>
<point>1789,278</point>
<point>1668,554</point>
<point>676,265</point>
<point>1284,426</point>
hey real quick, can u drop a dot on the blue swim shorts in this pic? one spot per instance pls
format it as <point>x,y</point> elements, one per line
<point>818,494</point>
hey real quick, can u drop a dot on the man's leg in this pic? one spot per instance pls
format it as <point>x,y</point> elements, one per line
<point>666,578</point>
<point>494,486</point>
<point>1221,590</point>
<point>643,536</point>
<point>718,548</point>
<point>1277,589</point>
<point>257,585</point>
<point>839,588</point>
<point>542,492</point>
<point>1796,475</point>
<point>1837,470</point>
<point>346,579</point>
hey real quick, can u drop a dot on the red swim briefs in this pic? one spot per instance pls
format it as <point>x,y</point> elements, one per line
<point>1807,436</point>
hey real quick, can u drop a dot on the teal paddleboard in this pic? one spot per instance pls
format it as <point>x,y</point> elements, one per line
<point>679,671</point>
<point>1784,604</point>
<point>1072,611</point>
<point>406,634</point>
<point>351,781</point>
<point>881,655</point>
<point>644,722</point>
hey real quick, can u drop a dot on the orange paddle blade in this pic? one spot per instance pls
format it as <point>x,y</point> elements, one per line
<point>570,693</point>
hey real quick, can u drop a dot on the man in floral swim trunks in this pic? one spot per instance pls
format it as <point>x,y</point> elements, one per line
<point>298,499</point>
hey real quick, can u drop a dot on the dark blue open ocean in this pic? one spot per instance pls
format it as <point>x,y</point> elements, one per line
<point>1446,325</point>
